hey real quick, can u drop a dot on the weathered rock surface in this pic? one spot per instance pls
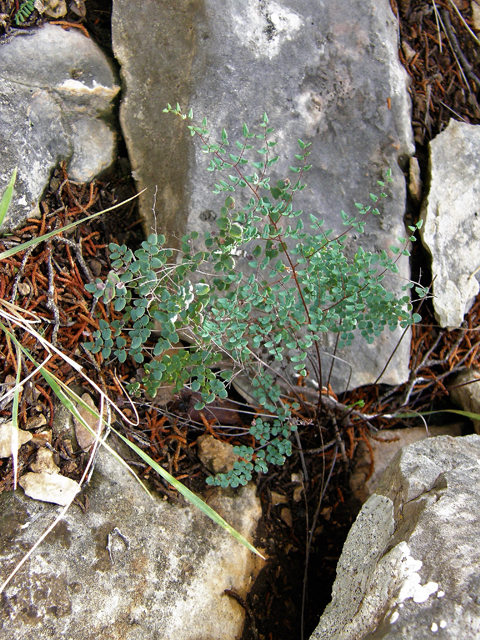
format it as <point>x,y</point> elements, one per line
<point>327,73</point>
<point>384,448</point>
<point>451,214</point>
<point>411,564</point>
<point>55,98</point>
<point>465,393</point>
<point>129,567</point>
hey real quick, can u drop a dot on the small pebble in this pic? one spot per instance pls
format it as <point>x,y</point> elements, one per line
<point>23,288</point>
<point>35,422</point>
<point>42,438</point>
<point>95,266</point>
<point>286,516</point>
<point>44,462</point>
<point>297,493</point>
<point>84,437</point>
<point>54,184</point>
<point>278,498</point>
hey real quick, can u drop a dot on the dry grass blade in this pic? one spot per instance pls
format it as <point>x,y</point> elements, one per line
<point>14,439</point>
<point>465,24</point>
<point>438,20</point>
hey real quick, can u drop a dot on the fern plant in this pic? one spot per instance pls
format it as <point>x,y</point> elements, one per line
<point>24,12</point>
<point>298,284</point>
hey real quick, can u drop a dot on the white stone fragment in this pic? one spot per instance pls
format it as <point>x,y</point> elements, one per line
<point>49,487</point>
<point>443,624</point>
<point>6,432</point>
<point>434,627</point>
<point>395,616</point>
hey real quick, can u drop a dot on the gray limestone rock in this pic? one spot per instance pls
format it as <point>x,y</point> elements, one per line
<point>325,72</point>
<point>411,563</point>
<point>451,214</point>
<point>56,97</point>
<point>128,567</point>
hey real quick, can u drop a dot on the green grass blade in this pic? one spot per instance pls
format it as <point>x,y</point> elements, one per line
<point>466,414</point>
<point>35,241</point>
<point>7,196</point>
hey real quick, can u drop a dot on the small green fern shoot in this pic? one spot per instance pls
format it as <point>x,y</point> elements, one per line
<point>24,12</point>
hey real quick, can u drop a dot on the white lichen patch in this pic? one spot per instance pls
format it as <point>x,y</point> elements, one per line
<point>264,26</point>
<point>411,587</point>
<point>76,87</point>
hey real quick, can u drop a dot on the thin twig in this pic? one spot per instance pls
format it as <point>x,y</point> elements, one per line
<point>242,603</point>
<point>19,273</point>
<point>304,466</point>
<point>51,297</point>
<point>437,20</point>
<point>79,256</point>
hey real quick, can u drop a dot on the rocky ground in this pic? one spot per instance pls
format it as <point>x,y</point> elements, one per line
<point>310,487</point>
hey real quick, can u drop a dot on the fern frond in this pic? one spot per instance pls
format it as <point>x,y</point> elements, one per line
<point>25,11</point>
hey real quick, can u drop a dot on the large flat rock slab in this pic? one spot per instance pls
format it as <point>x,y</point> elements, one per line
<point>128,568</point>
<point>327,73</point>
<point>56,95</point>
